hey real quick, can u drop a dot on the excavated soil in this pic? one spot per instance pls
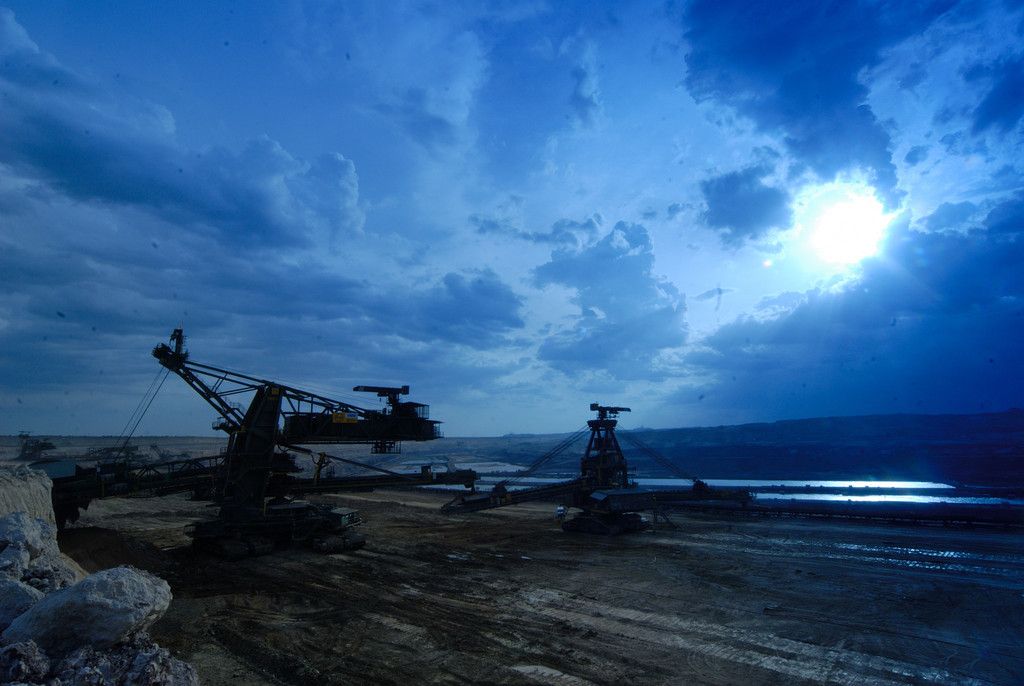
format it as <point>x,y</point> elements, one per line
<point>506,597</point>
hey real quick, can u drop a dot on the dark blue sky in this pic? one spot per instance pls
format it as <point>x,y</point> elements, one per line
<point>713,212</point>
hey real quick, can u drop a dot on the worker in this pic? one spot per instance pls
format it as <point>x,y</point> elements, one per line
<point>560,512</point>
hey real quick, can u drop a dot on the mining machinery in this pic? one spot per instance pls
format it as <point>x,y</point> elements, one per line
<point>256,480</point>
<point>608,500</point>
<point>32,448</point>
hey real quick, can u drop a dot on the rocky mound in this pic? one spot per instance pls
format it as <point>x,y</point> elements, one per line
<point>26,490</point>
<point>60,627</point>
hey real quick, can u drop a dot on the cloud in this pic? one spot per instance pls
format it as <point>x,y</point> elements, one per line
<point>1007,217</point>
<point>125,232</point>
<point>563,232</point>
<point>781,302</point>
<point>78,139</point>
<point>13,37</point>
<point>916,155</point>
<point>1003,106</point>
<point>930,326</point>
<point>115,302</point>
<point>627,315</point>
<point>412,111</point>
<point>793,69</point>
<point>714,294</point>
<point>415,65</point>
<point>743,207</point>
<point>585,97</point>
<point>950,215</point>
<point>475,310</point>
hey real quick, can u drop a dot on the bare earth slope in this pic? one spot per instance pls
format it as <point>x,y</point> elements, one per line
<point>506,597</point>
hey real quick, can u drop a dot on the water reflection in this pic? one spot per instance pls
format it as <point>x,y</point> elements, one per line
<point>882,498</point>
<point>756,483</point>
<point>740,483</point>
<point>761,489</point>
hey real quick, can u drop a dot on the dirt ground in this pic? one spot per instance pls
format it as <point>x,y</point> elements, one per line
<point>506,597</point>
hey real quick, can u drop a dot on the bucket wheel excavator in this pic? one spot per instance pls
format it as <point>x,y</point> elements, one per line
<point>609,501</point>
<point>256,482</point>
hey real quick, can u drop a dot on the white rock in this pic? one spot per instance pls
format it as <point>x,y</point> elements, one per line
<point>138,662</point>
<point>51,572</point>
<point>26,490</point>
<point>29,553</point>
<point>15,598</point>
<point>14,561</point>
<point>24,531</point>
<point>99,611</point>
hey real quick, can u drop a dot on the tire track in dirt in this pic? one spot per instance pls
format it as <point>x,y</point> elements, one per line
<point>760,649</point>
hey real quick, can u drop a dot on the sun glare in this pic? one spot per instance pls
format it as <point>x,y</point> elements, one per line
<point>847,225</point>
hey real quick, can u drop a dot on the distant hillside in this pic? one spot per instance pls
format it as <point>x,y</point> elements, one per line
<point>975,449</point>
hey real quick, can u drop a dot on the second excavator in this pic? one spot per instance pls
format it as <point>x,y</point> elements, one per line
<point>609,501</point>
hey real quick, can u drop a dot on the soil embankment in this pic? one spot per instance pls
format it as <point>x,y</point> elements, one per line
<point>506,597</point>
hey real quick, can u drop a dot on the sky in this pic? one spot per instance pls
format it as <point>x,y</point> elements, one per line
<point>712,212</point>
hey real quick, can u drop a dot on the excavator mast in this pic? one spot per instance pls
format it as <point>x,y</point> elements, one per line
<point>603,464</point>
<point>610,503</point>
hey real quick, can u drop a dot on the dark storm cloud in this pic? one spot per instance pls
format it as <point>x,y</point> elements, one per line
<point>564,231</point>
<point>1003,105</point>
<point>224,286</point>
<point>793,69</point>
<point>916,155</point>
<point>114,233</point>
<point>888,341</point>
<point>475,310</point>
<point>1008,216</point>
<point>627,314</point>
<point>950,215</point>
<point>743,207</point>
<point>123,304</point>
<point>73,136</point>
<point>423,126</point>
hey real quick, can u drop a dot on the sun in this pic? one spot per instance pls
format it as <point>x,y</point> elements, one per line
<point>845,224</point>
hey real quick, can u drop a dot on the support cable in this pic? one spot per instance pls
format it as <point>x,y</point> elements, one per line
<point>138,405</point>
<point>560,448</point>
<point>121,449</point>
<point>657,457</point>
